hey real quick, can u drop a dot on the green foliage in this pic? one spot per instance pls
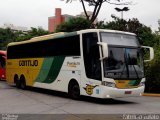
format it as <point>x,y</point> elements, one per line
<point>152,69</point>
<point>74,24</point>
<point>34,32</point>
<point>8,35</point>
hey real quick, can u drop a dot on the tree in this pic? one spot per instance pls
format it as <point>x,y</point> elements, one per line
<point>97,4</point>
<point>73,24</point>
<point>37,31</point>
<point>8,35</point>
<point>34,32</point>
<point>153,69</point>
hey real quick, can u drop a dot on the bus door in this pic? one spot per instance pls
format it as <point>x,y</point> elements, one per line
<point>91,78</point>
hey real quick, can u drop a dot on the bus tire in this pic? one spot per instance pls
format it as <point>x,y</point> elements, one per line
<point>16,81</point>
<point>22,82</point>
<point>74,90</point>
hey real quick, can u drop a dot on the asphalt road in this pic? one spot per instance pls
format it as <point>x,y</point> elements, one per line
<point>40,101</point>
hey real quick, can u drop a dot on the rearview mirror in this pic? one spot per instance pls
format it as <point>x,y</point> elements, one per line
<point>104,49</point>
<point>151,51</point>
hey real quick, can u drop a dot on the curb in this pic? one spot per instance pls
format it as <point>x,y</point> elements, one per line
<point>150,94</point>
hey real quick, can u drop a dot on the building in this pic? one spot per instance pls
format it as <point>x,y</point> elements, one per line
<point>54,21</point>
<point>89,14</point>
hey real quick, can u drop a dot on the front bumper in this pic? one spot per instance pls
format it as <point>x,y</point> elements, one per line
<point>109,92</point>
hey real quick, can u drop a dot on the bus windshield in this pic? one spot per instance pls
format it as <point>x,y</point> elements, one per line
<point>125,59</point>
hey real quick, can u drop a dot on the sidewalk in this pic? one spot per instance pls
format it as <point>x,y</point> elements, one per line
<point>151,94</point>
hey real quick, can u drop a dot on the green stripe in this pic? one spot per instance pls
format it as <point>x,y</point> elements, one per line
<point>50,69</point>
<point>55,69</point>
<point>47,63</point>
<point>134,82</point>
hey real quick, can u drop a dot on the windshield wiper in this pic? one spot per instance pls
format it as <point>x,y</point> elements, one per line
<point>126,63</point>
<point>133,66</point>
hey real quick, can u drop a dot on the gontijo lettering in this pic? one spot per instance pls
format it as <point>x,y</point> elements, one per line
<point>28,62</point>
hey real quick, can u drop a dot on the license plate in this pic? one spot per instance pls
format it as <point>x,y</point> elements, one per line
<point>128,92</point>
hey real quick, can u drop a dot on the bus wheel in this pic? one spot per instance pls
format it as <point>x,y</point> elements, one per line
<point>74,90</point>
<point>22,82</point>
<point>16,81</point>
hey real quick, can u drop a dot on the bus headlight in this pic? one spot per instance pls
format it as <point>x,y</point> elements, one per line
<point>108,84</point>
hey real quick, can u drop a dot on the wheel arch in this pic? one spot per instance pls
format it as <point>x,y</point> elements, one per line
<point>22,78</point>
<point>16,78</point>
<point>71,82</point>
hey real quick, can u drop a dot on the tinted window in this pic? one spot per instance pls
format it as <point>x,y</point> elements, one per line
<point>91,56</point>
<point>68,46</point>
<point>119,39</point>
<point>124,63</point>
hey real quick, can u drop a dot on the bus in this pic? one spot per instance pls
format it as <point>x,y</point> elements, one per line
<point>2,65</point>
<point>93,62</point>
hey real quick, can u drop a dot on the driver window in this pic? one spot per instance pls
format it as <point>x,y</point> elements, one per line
<point>115,60</point>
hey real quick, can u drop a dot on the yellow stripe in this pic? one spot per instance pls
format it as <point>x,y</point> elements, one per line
<point>30,72</point>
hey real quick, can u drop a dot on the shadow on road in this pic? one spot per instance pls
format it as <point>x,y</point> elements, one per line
<point>65,95</point>
<point>4,85</point>
<point>82,98</point>
<point>106,101</point>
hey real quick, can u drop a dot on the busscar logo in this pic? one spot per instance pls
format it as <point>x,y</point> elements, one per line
<point>73,64</point>
<point>89,89</point>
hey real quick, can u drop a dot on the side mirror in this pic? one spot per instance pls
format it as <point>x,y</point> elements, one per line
<point>151,51</point>
<point>104,49</point>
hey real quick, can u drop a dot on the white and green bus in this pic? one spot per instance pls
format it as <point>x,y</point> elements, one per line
<point>94,62</point>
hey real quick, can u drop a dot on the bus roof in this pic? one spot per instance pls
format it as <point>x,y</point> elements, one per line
<point>105,30</point>
<point>65,34</point>
<point>44,37</point>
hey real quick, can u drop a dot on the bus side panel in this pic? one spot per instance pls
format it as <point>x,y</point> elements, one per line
<point>29,67</point>
<point>70,69</point>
